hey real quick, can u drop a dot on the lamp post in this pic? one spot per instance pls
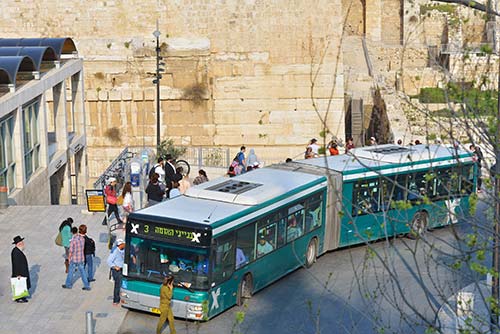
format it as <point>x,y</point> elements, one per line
<point>156,81</point>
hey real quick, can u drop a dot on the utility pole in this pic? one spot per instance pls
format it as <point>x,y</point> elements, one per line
<point>156,81</point>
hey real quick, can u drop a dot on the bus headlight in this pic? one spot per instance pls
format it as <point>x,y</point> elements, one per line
<point>195,308</point>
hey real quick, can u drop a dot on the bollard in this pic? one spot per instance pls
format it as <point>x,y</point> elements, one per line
<point>90,328</point>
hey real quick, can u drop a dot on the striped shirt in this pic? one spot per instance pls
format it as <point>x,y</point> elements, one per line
<point>76,249</point>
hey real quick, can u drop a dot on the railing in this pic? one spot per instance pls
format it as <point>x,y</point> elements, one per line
<point>367,57</point>
<point>207,156</point>
<point>116,169</point>
<point>459,48</point>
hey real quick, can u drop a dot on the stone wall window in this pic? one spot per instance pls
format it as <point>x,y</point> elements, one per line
<point>31,138</point>
<point>7,162</point>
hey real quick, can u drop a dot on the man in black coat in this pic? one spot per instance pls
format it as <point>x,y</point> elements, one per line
<point>171,174</point>
<point>20,264</point>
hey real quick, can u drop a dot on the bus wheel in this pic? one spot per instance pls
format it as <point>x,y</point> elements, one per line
<point>311,253</point>
<point>419,224</point>
<point>245,289</point>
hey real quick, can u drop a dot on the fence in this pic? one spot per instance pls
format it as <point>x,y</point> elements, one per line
<point>207,156</point>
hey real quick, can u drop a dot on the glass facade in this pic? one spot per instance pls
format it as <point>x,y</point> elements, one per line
<point>31,138</point>
<point>7,163</point>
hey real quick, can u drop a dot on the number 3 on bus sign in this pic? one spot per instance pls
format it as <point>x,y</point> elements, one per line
<point>146,228</point>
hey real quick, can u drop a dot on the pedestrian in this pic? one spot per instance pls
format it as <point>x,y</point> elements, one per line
<point>373,141</point>
<point>89,252</point>
<point>333,147</point>
<point>111,199</point>
<point>349,145</point>
<point>159,169</point>
<point>314,147</point>
<point>478,158</point>
<point>65,229</point>
<point>242,163</point>
<point>77,260</point>
<point>308,154</point>
<point>201,178</point>
<point>175,192</point>
<point>400,142</point>
<point>171,174</point>
<point>128,201</point>
<point>115,262</point>
<point>166,291</point>
<point>154,190</point>
<point>184,183</point>
<point>20,264</point>
<point>252,158</point>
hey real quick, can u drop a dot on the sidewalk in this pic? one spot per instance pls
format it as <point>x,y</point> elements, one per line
<point>469,302</point>
<point>51,308</point>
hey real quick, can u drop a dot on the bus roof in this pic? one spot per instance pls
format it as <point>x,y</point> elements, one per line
<point>384,156</point>
<point>220,198</point>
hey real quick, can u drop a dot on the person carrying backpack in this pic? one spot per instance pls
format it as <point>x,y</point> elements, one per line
<point>89,252</point>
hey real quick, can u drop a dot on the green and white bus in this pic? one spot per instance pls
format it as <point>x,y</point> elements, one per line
<point>228,238</point>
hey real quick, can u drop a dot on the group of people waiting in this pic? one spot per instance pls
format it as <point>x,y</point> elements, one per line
<point>312,149</point>
<point>242,164</point>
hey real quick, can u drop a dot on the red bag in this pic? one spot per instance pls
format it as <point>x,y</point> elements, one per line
<point>110,195</point>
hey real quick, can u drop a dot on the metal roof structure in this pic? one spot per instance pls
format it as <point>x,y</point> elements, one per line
<point>24,59</point>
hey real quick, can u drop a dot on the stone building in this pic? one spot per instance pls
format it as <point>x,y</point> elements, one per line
<point>42,122</point>
<point>267,74</point>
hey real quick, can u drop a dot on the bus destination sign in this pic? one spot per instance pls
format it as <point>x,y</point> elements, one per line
<point>180,234</point>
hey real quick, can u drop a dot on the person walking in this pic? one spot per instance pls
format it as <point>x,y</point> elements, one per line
<point>128,201</point>
<point>77,260</point>
<point>314,147</point>
<point>478,158</point>
<point>201,178</point>
<point>20,264</point>
<point>154,190</point>
<point>65,229</point>
<point>89,251</point>
<point>115,262</point>
<point>252,158</point>
<point>111,199</point>
<point>242,163</point>
<point>349,145</point>
<point>166,291</point>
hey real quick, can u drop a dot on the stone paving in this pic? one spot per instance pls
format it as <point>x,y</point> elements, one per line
<point>52,309</point>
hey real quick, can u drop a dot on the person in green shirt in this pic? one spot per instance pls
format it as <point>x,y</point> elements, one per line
<point>166,291</point>
<point>65,229</point>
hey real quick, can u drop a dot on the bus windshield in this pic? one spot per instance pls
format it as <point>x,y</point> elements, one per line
<point>151,260</point>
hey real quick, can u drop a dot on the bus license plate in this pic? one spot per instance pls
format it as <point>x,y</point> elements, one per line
<point>155,310</point>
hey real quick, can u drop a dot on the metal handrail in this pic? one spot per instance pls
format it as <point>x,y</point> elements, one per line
<point>120,161</point>
<point>367,56</point>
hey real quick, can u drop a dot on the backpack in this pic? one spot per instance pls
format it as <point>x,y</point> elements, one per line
<point>89,247</point>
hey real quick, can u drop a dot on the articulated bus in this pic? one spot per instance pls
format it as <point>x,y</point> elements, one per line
<point>228,238</point>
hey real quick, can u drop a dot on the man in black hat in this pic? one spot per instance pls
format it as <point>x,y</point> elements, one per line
<point>171,174</point>
<point>20,264</point>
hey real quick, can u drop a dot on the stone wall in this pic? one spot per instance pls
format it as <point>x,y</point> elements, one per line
<point>237,72</point>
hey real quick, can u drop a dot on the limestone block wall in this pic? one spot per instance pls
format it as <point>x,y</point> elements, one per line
<point>237,72</point>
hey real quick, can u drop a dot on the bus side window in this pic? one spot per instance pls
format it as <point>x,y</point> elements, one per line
<point>245,245</point>
<point>224,259</point>
<point>313,213</point>
<point>281,233</point>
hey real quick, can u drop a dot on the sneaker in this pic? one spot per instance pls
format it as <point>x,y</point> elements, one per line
<point>92,280</point>
<point>21,300</point>
<point>116,304</point>
<point>86,289</point>
<point>64,286</point>
<point>104,223</point>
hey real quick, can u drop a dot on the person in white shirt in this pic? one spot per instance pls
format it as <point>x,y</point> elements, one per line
<point>160,170</point>
<point>314,147</point>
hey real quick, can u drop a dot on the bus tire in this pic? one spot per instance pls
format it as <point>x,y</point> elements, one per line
<point>311,253</point>
<point>419,224</point>
<point>244,289</point>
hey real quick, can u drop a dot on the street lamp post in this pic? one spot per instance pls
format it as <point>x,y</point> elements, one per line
<point>156,81</point>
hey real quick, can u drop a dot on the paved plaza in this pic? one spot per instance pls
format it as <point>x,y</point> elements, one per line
<point>52,309</point>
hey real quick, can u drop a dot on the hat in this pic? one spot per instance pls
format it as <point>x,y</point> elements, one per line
<point>168,157</point>
<point>373,138</point>
<point>111,179</point>
<point>17,239</point>
<point>119,242</point>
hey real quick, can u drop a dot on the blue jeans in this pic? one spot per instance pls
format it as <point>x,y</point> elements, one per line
<point>81,269</point>
<point>89,263</point>
<point>117,276</point>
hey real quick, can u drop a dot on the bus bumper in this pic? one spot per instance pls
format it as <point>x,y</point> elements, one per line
<point>148,303</point>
